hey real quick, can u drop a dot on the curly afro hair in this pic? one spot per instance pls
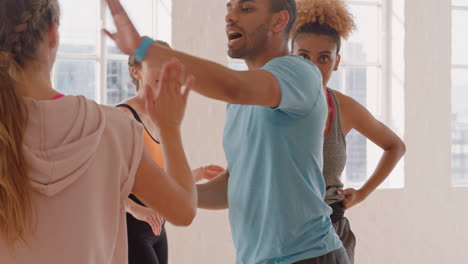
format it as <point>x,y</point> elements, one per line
<point>329,13</point>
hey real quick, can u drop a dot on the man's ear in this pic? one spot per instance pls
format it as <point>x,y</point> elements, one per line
<point>280,21</point>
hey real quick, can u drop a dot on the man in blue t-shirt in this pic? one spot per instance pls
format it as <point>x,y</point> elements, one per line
<point>273,139</point>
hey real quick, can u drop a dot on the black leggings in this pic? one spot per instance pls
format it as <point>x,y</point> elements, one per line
<point>146,248</point>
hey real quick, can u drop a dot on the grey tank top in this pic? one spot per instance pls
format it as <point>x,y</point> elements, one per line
<point>334,155</point>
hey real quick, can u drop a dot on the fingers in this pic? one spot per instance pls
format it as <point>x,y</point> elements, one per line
<point>175,73</point>
<point>110,35</point>
<point>214,171</point>
<point>211,171</point>
<point>149,99</point>
<point>187,88</point>
<point>160,224</point>
<point>115,7</point>
<point>164,77</point>
<point>216,168</point>
<point>154,228</point>
<point>181,77</point>
<point>161,221</point>
<point>127,37</point>
<point>172,77</point>
<point>156,223</point>
<point>346,192</point>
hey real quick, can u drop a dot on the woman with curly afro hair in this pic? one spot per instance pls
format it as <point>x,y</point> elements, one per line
<point>316,36</point>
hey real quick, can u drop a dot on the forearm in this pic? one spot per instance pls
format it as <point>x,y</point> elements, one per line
<point>131,206</point>
<point>385,166</point>
<point>176,164</point>
<point>213,194</point>
<point>136,210</point>
<point>218,82</point>
<point>211,79</point>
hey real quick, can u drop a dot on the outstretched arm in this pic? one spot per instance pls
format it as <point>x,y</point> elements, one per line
<point>213,80</point>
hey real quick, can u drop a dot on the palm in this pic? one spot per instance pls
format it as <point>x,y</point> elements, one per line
<point>212,172</point>
<point>151,217</point>
<point>127,37</point>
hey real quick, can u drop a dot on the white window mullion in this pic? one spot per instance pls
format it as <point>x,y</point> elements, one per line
<point>116,57</point>
<point>387,62</point>
<point>76,57</point>
<point>101,91</point>
<point>343,90</point>
<point>459,153</point>
<point>345,63</point>
<point>460,66</point>
<point>364,3</point>
<point>344,69</point>
<point>461,8</point>
<point>155,17</point>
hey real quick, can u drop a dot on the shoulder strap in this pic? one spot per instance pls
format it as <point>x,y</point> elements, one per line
<point>337,116</point>
<point>135,115</point>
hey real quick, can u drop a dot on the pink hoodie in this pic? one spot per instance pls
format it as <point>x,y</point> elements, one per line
<point>82,162</point>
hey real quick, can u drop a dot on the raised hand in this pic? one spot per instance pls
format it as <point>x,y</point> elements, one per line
<point>166,102</point>
<point>127,37</point>
<point>207,172</point>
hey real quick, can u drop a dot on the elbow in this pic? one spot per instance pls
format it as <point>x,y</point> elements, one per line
<point>187,212</point>
<point>190,216</point>
<point>403,148</point>
<point>399,148</point>
<point>186,218</point>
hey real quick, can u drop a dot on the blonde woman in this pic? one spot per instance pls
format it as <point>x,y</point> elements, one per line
<point>68,165</point>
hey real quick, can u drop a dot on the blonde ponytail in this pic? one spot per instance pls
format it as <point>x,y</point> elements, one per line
<point>23,24</point>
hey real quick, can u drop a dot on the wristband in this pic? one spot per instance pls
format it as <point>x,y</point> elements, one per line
<point>141,51</point>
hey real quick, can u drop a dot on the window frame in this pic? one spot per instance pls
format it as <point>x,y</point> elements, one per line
<point>385,52</point>
<point>384,64</point>
<point>456,149</point>
<point>101,58</point>
<point>459,66</point>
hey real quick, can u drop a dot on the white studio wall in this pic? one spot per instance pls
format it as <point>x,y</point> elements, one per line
<point>422,223</point>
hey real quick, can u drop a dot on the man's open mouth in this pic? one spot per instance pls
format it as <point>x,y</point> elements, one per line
<point>234,36</point>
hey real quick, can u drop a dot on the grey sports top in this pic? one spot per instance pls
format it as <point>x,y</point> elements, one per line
<point>334,155</point>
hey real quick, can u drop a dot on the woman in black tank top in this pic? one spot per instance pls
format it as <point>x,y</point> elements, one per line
<point>147,239</point>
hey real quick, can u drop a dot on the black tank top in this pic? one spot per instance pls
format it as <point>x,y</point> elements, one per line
<point>137,118</point>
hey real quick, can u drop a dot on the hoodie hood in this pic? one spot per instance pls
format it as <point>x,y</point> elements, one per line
<point>60,141</point>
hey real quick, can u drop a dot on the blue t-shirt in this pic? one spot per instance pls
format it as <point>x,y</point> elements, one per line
<point>276,189</point>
